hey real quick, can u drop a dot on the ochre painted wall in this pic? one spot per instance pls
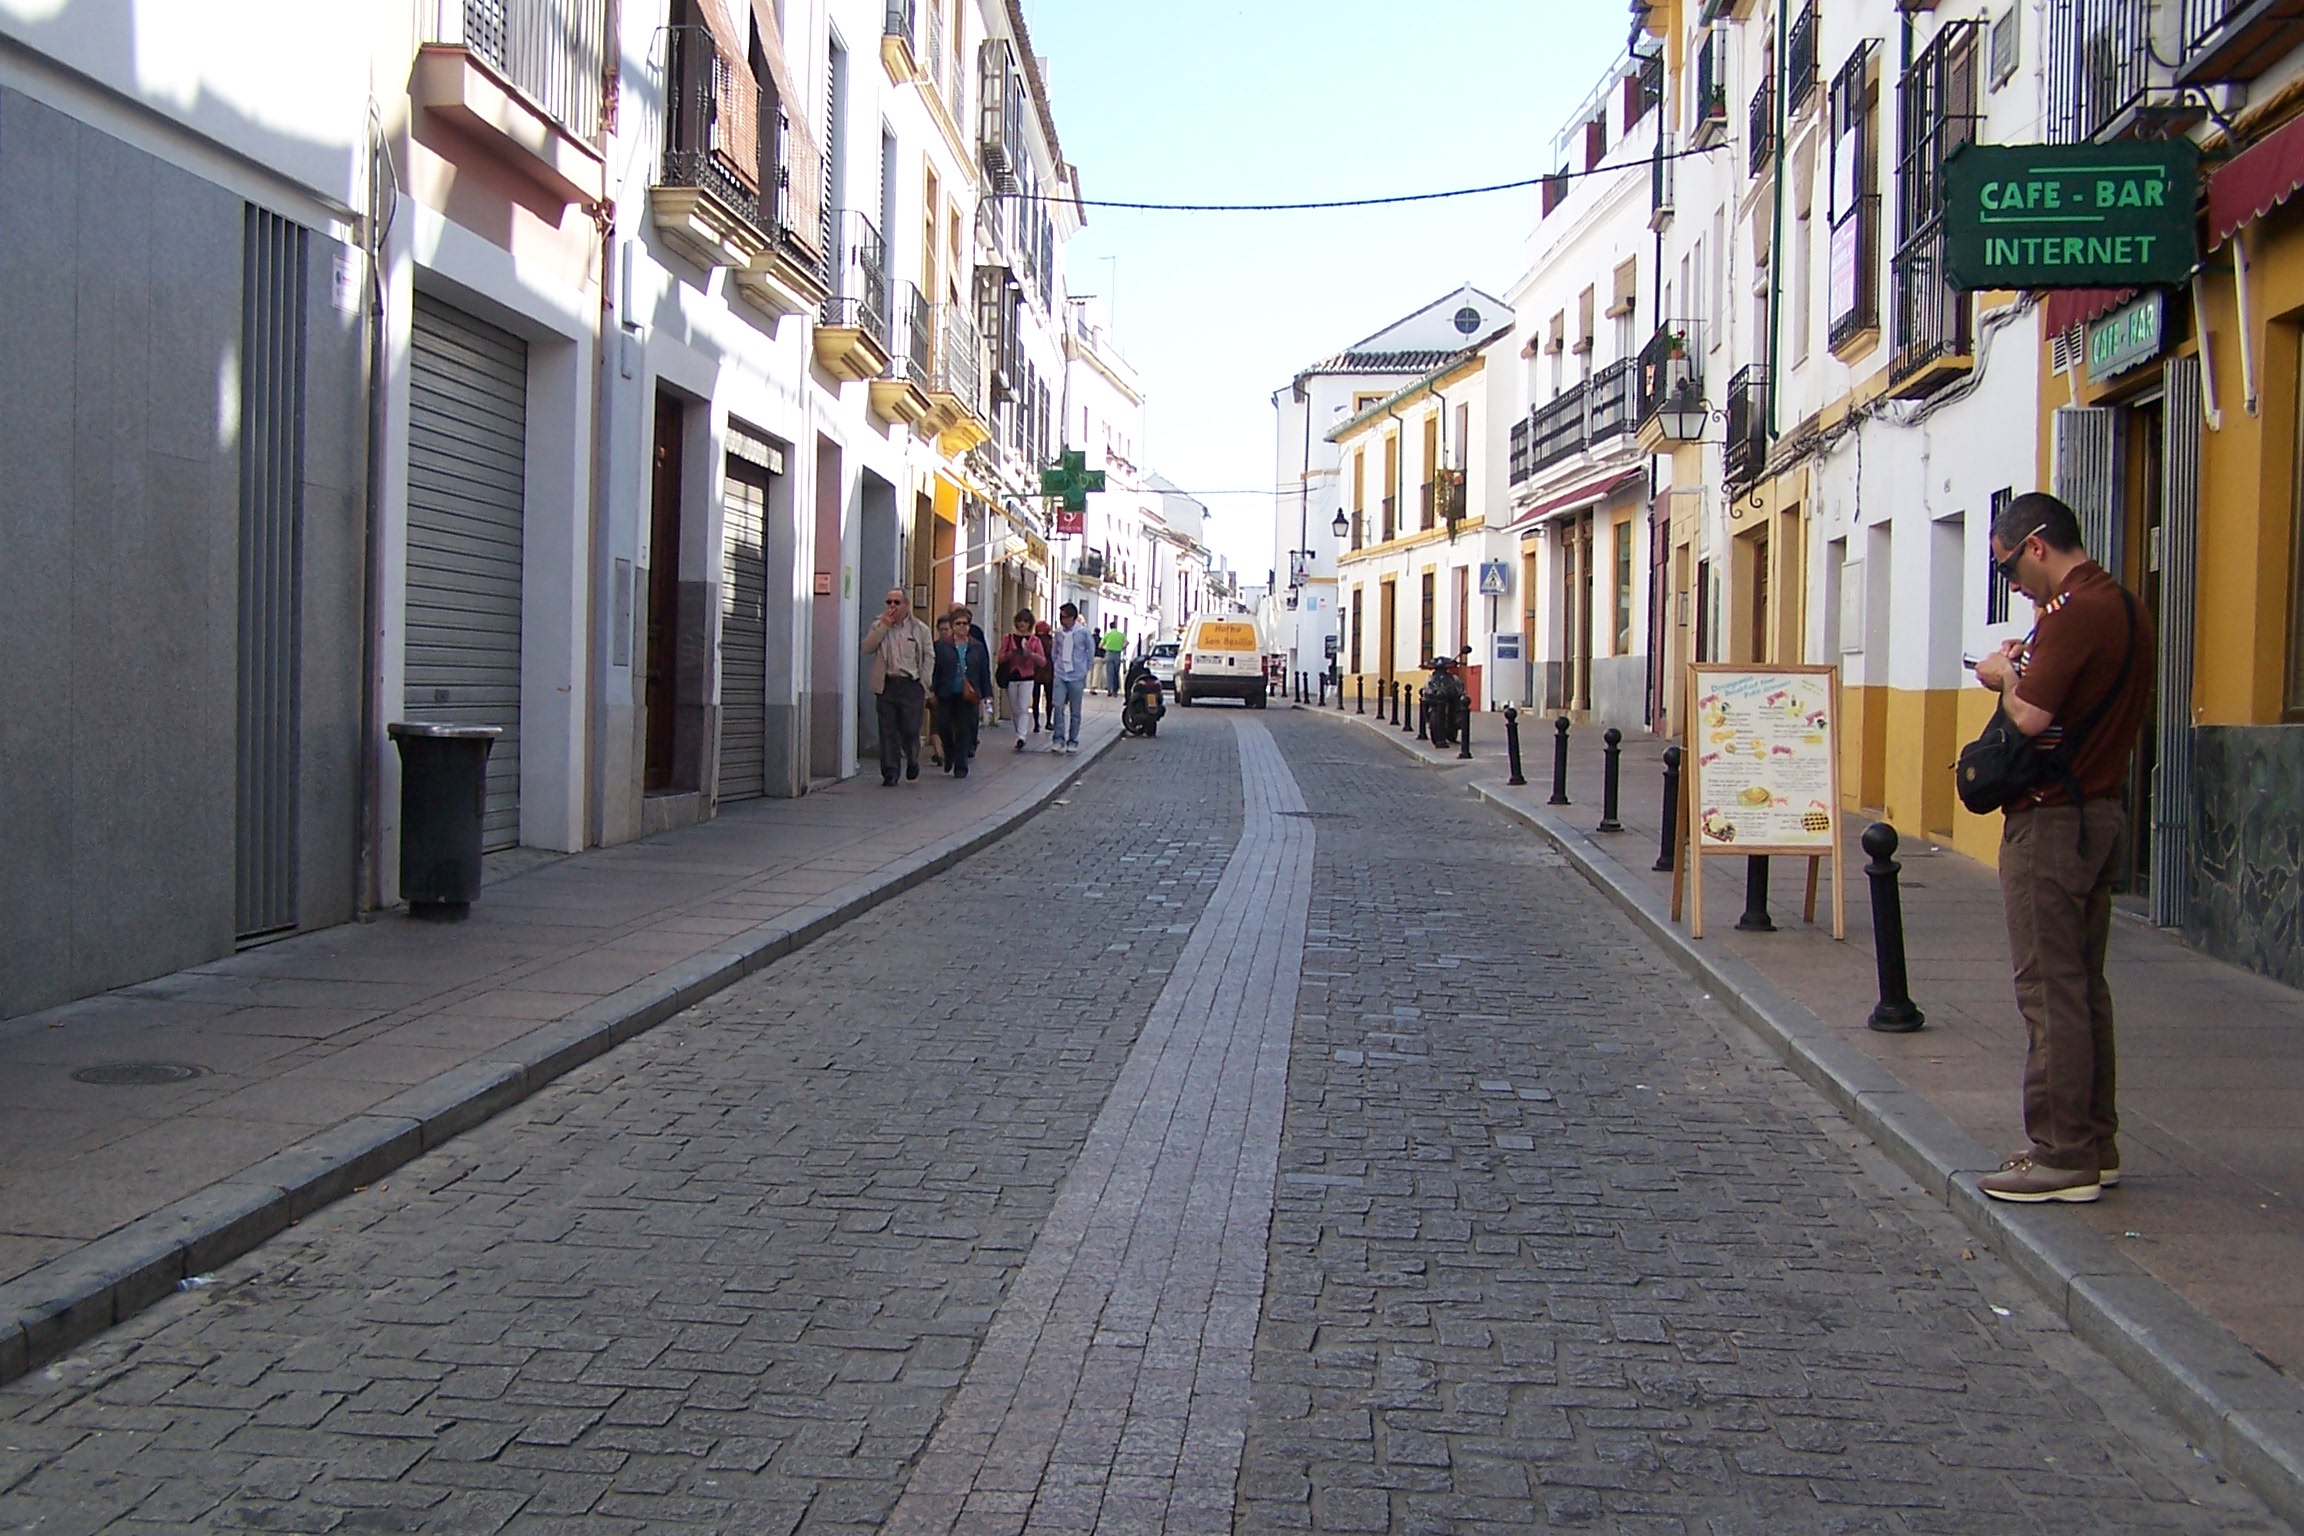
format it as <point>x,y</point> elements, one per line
<point>1976,836</point>
<point>1863,747</point>
<point>1918,761</point>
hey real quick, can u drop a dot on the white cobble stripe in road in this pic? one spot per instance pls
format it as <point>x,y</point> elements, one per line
<point>1112,1390</point>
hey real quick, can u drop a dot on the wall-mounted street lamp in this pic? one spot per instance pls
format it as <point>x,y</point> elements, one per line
<point>1342,527</point>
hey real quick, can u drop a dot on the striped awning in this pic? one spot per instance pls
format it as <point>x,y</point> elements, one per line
<point>2254,182</point>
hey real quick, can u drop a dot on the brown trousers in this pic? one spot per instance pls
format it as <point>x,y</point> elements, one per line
<point>2059,901</point>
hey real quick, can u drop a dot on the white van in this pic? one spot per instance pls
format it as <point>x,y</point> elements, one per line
<point>1221,659</point>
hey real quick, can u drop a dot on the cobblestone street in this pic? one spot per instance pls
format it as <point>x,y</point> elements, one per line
<point>995,1210</point>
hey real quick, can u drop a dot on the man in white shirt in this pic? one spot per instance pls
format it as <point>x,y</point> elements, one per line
<point>903,656</point>
<point>1075,653</point>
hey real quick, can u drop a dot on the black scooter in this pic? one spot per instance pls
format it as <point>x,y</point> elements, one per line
<point>1140,714</point>
<point>1446,702</point>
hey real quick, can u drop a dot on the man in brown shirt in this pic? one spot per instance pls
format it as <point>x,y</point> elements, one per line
<point>2078,687</point>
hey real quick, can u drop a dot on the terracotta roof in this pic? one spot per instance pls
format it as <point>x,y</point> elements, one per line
<point>1423,360</point>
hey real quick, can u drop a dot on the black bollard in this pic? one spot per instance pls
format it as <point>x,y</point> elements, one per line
<point>1408,710</point>
<point>1388,703</point>
<point>1422,717</point>
<point>1324,690</point>
<point>1559,762</point>
<point>1755,918</point>
<point>1895,1015</point>
<point>1464,736</point>
<point>1668,846</point>
<point>1512,744</point>
<point>1610,758</point>
<point>1360,693</point>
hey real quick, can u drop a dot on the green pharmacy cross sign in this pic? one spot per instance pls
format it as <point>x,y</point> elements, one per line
<point>2071,215</point>
<point>1071,479</point>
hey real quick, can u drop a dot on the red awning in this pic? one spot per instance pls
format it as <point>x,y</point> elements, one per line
<point>2068,307</point>
<point>2254,182</point>
<point>1590,490</point>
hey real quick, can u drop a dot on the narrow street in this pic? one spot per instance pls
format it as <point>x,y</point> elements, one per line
<point>1265,1137</point>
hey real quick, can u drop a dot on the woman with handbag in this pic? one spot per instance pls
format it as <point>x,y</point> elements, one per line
<point>1022,659</point>
<point>963,682</point>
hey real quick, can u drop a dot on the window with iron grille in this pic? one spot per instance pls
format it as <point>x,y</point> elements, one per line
<point>1853,109</point>
<point>1935,114</point>
<point>1996,588</point>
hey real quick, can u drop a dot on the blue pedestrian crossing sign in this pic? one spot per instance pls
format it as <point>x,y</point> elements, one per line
<point>1495,578</point>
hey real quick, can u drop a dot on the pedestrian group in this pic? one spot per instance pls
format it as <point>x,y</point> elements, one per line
<point>946,679</point>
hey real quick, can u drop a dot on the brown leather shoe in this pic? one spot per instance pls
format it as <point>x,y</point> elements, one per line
<point>2027,1182</point>
<point>2107,1168</point>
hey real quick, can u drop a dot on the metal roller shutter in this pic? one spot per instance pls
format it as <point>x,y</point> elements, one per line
<point>744,633</point>
<point>467,452</point>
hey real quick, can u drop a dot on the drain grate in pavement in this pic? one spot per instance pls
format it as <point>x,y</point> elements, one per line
<point>138,1074</point>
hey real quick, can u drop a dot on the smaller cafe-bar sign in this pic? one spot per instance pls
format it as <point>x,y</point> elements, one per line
<point>2071,215</point>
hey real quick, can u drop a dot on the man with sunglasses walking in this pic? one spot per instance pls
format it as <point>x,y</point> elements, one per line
<point>903,655</point>
<point>2077,688</point>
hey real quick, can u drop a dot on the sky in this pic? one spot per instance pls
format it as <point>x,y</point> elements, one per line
<point>1294,100</point>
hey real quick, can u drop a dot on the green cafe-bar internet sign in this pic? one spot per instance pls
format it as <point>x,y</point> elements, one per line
<point>2071,215</point>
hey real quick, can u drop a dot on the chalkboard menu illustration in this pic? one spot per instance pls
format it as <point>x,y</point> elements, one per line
<point>1762,772</point>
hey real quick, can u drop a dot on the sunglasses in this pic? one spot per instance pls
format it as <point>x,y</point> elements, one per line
<point>895,602</point>
<point>2007,567</point>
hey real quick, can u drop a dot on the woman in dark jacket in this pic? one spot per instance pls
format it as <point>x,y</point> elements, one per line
<point>963,682</point>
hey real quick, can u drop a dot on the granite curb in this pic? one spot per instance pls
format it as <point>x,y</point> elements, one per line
<point>72,1298</point>
<point>2237,1409</point>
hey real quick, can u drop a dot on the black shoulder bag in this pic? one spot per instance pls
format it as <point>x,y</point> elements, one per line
<point>2003,766</point>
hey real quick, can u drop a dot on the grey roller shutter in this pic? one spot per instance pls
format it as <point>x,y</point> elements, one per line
<point>2172,855</point>
<point>744,633</point>
<point>467,453</point>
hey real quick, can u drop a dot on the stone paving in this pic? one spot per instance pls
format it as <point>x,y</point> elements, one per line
<point>302,1035</point>
<point>1550,1246</point>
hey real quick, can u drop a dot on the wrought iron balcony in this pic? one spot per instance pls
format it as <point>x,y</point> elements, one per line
<point>1520,467</point>
<point>852,341</point>
<point>1609,402</point>
<point>2099,55</point>
<point>1667,375</point>
<point>2237,39</point>
<point>1391,524</point>
<point>1934,320</point>
<point>1800,58</point>
<point>915,330</point>
<point>957,358</point>
<point>1556,428</point>
<point>1747,425</point>
<point>1710,104</point>
<point>553,52</point>
<point>1759,130</point>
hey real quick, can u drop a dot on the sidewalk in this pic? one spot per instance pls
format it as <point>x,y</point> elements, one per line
<point>2211,1203</point>
<point>327,1059</point>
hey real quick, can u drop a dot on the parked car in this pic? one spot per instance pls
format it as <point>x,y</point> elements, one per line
<point>1161,658</point>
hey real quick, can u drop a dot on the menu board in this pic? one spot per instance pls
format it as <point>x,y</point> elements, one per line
<point>1762,743</point>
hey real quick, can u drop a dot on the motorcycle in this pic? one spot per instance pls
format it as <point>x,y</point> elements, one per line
<point>1446,701</point>
<point>1140,714</point>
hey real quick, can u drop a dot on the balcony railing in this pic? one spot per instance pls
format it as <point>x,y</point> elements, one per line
<point>1747,424</point>
<point>1391,523</point>
<point>1710,103</point>
<point>1800,58</point>
<point>1520,467</point>
<point>957,358</point>
<point>1759,130</point>
<point>704,145</point>
<point>554,52</point>
<point>1556,428</point>
<point>1667,373</point>
<point>2099,55</point>
<point>859,295</point>
<point>1856,272</point>
<point>2236,39</point>
<point>913,344</point>
<point>1933,319</point>
<point>1609,402</point>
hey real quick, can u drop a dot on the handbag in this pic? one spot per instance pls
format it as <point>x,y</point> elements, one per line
<point>2004,767</point>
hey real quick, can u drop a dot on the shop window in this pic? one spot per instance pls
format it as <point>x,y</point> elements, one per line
<point>1623,543</point>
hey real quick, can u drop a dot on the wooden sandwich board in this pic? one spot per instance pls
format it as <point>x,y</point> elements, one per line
<point>1760,774</point>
